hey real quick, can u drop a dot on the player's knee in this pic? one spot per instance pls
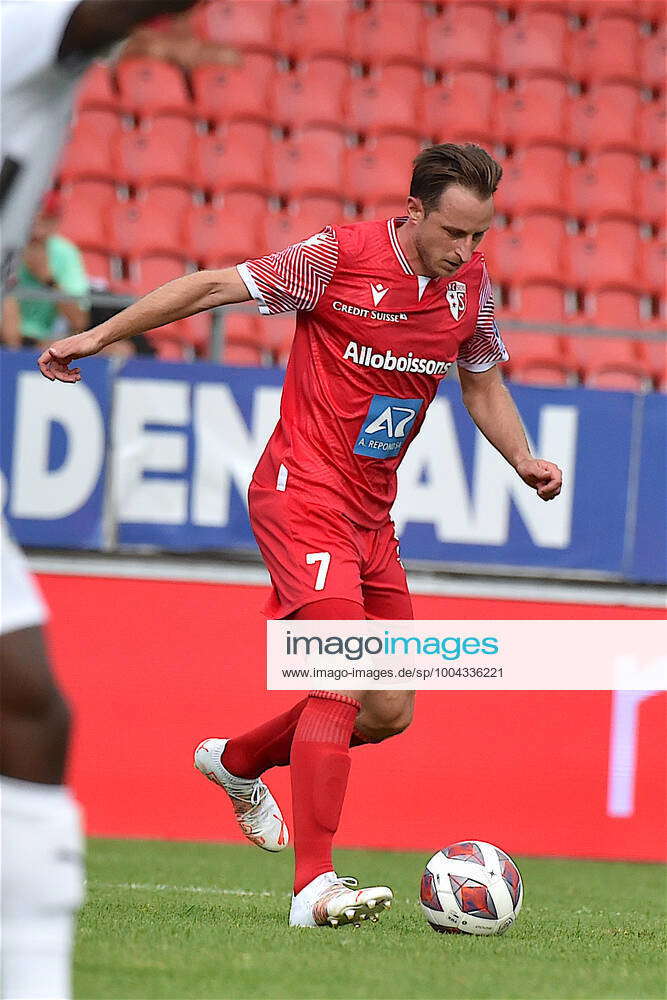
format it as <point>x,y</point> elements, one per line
<point>389,719</point>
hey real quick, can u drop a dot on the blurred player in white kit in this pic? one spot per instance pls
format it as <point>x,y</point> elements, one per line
<point>46,46</point>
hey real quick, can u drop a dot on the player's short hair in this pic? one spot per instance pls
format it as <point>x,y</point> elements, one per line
<point>439,167</point>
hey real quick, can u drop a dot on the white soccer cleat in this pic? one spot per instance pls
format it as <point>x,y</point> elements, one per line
<point>330,901</point>
<point>255,808</point>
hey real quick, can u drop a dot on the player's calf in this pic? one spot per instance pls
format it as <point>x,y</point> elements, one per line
<point>384,714</point>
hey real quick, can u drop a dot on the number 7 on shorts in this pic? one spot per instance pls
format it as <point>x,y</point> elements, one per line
<point>323,558</point>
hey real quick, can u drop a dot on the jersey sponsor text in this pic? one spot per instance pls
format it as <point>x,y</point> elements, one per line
<point>361,354</point>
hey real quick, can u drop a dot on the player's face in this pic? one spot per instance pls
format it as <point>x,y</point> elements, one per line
<point>446,237</point>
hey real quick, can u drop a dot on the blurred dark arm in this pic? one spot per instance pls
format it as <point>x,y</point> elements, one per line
<point>96,24</point>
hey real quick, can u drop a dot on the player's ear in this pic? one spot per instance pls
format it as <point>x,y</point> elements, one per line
<point>416,209</point>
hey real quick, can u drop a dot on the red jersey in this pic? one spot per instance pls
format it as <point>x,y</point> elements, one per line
<point>373,341</point>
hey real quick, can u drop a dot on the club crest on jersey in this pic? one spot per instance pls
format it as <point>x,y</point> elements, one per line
<point>456,296</point>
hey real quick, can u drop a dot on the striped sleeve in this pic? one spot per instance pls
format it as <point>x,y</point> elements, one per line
<point>294,278</point>
<point>485,348</point>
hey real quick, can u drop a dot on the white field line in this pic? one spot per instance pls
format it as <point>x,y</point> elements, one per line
<point>200,889</point>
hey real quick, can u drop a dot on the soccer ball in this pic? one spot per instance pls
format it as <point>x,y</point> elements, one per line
<point>471,888</point>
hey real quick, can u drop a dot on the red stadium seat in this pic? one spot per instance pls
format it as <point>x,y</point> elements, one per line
<point>540,301</point>
<point>241,355</point>
<point>278,335</point>
<point>313,28</point>
<point>389,100</point>
<point>136,228</point>
<point>605,117</point>
<point>98,269</point>
<point>464,35</point>
<point>224,235</point>
<point>85,205</point>
<point>86,156</point>
<point>241,340</point>
<point>536,40</point>
<point>222,93</point>
<point>651,195</point>
<point>607,47</point>
<point>653,55</point>
<point>606,254</point>
<point>534,110</point>
<point>98,123</point>
<point>310,163</point>
<point>620,308</point>
<point>388,32</point>
<point>533,180</point>
<point>159,154</point>
<point>462,102</point>
<point>655,354</point>
<point>313,95</point>
<point>385,208</point>
<point>620,360</point>
<point>653,125</point>
<point>300,221</point>
<point>151,87</point>
<point>530,249</point>
<point>615,380</point>
<point>605,184</point>
<point>235,157</point>
<point>320,211</point>
<point>239,24</point>
<point>96,90</point>
<point>653,265</point>
<point>381,169</point>
<point>167,199</point>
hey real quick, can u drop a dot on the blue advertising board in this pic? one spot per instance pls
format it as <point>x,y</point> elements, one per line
<point>154,454</point>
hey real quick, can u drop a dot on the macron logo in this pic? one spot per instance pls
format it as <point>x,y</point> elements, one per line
<point>378,292</point>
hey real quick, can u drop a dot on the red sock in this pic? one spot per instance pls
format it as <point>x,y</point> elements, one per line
<point>320,765</point>
<point>269,745</point>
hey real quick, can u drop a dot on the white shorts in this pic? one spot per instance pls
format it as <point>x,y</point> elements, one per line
<point>21,604</point>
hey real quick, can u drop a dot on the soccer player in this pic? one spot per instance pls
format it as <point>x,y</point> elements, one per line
<point>46,46</point>
<point>383,310</point>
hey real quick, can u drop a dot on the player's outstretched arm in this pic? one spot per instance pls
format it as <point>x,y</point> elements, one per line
<point>491,407</point>
<point>178,299</point>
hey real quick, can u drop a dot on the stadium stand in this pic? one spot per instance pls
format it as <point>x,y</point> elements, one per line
<point>318,122</point>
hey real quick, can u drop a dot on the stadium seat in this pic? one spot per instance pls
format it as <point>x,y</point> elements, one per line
<point>308,29</point>
<point>85,205</point>
<point>161,153</point>
<point>168,199</point>
<point>300,221</point>
<point>241,339</point>
<point>381,169</point>
<point>222,93</point>
<point>531,248</point>
<point>653,55</point>
<point>388,32</point>
<point>533,180</point>
<point>464,100</point>
<point>605,184</point>
<point>136,228</point>
<point>239,24</point>
<point>193,333</point>
<point>607,47</point>
<point>98,123</point>
<point>620,308</point>
<point>605,117</point>
<point>235,157</point>
<point>389,100</point>
<point>241,355</point>
<point>652,125</point>
<point>149,87</point>
<point>655,354</point>
<point>311,162</point>
<point>536,40</point>
<point>278,336</point>
<point>320,211</point>
<point>464,34</point>
<point>617,380</point>
<point>313,95</point>
<point>613,355</point>
<point>607,253</point>
<point>96,90</point>
<point>534,110</point>
<point>224,235</point>
<point>385,208</point>
<point>97,266</point>
<point>539,301</point>
<point>86,156</point>
<point>651,195</point>
<point>653,265</point>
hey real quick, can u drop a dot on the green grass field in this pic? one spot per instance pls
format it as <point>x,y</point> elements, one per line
<point>182,920</point>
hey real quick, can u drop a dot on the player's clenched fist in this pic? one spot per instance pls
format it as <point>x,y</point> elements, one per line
<point>55,361</point>
<point>544,477</point>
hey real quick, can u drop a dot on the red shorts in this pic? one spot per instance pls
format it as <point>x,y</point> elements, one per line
<point>314,553</point>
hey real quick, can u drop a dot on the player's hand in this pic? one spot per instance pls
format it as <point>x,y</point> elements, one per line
<point>544,477</point>
<point>55,361</point>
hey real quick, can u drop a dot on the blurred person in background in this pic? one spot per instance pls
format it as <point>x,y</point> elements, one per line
<point>46,46</point>
<point>49,262</point>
